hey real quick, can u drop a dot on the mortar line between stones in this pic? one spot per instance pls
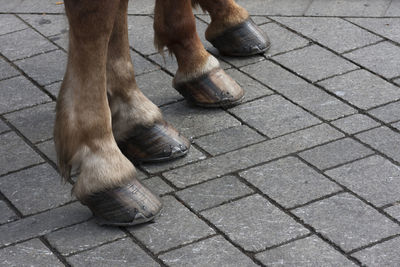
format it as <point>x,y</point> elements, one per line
<point>383,240</point>
<point>316,200</point>
<point>55,252</point>
<point>25,108</point>
<point>363,46</point>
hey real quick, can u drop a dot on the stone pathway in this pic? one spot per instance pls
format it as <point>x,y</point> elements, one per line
<point>305,172</point>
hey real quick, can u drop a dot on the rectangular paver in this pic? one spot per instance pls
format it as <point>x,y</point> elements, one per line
<point>383,254</point>
<point>348,8</point>
<point>355,123</point>
<point>387,113</point>
<point>387,27</point>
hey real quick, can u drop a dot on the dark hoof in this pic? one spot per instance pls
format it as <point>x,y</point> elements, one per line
<point>213,89</point>
<point>245,39</point>
<point>160,142</point>
<point>127,205</point>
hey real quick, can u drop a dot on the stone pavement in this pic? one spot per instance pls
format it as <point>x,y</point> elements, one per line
<point>305,172</point>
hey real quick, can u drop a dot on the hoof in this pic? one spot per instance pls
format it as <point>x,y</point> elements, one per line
<point>244,39</point>
<point>160,142</point>
<point>126,205</point>
<point>213,89</point>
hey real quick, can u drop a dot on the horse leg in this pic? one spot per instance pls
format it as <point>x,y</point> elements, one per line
<point>231,30</point>
<point>199,77</point>
<point>83,132</point>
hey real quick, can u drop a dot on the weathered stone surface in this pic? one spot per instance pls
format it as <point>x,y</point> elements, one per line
<point>6,70</point>
<point>348,8</point>
<point>33,6</point>
<point>10,23</point>
<point>47,24</point>
<point>3,127</point>
<point>383,254</point>
<point>141,64</point>
<point>394,211</point>
<point>142,40</point>
<point>275,7</point>
<point>387,113</point>
<point>157,185</point>
<point>387,27</point>
<point>6,214</point>
<point>355,123</point>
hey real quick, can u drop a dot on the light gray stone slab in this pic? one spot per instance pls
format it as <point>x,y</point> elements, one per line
<point>275,7</point>
<point>396,125</point>
<point>394,211</point>
<point>348,8</point>
<point>387,113</point>
<point>141,7</point>
<point>274,116</point>
<point>254,224</point>
<point>290,182</point>
<point>347,221</point>
<point>362,89</point>
<point>383,254</point>
<point>53,88</point>
<point>355,123</point>
<point>61,40</point>
<point>48,149</point>
<point>394,9</point>
<point>10,23</point>
<point>141,64</point>
<point>212,252</point>
<point>157,185</point>
<point>397,81</point>
<point>309,251</point>
<point>387,27</point>
<point>6,214</point>
<point>47,24</point>
<point>142,33</point>
<point>3,127</point>
<point>6,70</point>
<point>32,6</point>
<point>227,61</point>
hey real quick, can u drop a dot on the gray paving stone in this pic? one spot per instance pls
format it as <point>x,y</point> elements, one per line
<point>362,89</point>
<point>374,178</point>
<point>53,88</point>
<point>35,123</point>
<point>47,24</point>
<point>32,6</point>
<point>275,7</point>
<point>29,253</point>
<point>82,236</point>
<point>46,68</point>
<point>348,8</point>
<point>384,140</point>
<point>394,9</point>
<point>192,156</point>
<point>17,93</point>
<point>315,63</point>
<point>335,153</point>
<point>394,211</point>
<point>6,70</point>
<point>387,113</point>
<point>167,61</point>
<point>13,48</point>
<point>194,121</point>
<point>226,61</point>
<point>35,189</point>
<point>290,182</point>
<point>212,252</point>
<point>6,214</point>
<point>387,27</point>
<point>381,58</point>
<point>3,127</point>
<point>48,149</point>
<point>175,226</point>
<point>274,116</point>
<point>309,251</point>
<point>397,81</point>
<point>141,7</point>
<point>157,86</point>
<point>347,221</point>
<point>43,223</point>
<point>257,19</point>
<point>141,64</point>
<point>254,224</point>
<point>61,40</point>
<point>10,23</point>
<point>251,155</point>
<point>157,185</point>
<point>120,253</point>
<point>396,125</point>
<point>383,254</point>
<point>355,123</point>
<point>213,193</point>
<point>298,90</point>
<point>335,33</point>
<point>16,154</point>
<point>142,35</point>
<point>229,139</point>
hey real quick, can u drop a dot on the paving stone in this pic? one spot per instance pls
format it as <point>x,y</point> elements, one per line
<point>257,19</point>
<point>213,193</point>
<point>143,33</point>
<point>48,149</point>
<point>54,88</point>
<point>387,113</point>
<point>141,64</point>
<point>348,8</point>
<point>335,33</point>
<point>315,63</point>
<point>6,214</point>
<point>397,81</point>
<point>347,221</point>
<point>29,253</point>
<point>394,211</point>
<point>381,58</point>
<point>13,48</point>
<point>290,182</point>
<point>254,224</point>
<point>215,251</point>
<point>387,27</point>
<point>192,156</point>
<point>167,61</point>
<point>157,86</point>
<point>47,24</point>
<point>355,123</point>
<point>43,223</point>
<point>394,9</point>
<point>362,89</point>
<point>229,139</point>
<point>61,40</point>
<point>35,123</point>
<point>383,254</point>
<point>194,121</point>
<point>335,153</point>
<point>10,23</point>
<point>374,178</point>
<point>175,226</point>
<point>3,127</point>
<point>157,185</point>
<point>309,251</point>
<point>396,125</point>
<point>32,6</point>
<point>234,61</point>
<point>384,140</point>
<point>120,253</point>
<point>298,90</point>
<point>274,116</point>
<point>141,7</point>
<point>251,155</point>
<point>35,189</point>
<point>16,154</point>
<point>6,70</point>
<point>82,237</point>
<point>46,68</point>
<point>275,7</point>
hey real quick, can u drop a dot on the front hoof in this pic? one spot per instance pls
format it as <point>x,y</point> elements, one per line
<point>160,142</point>
<point>213,89</point>
<point>130,204</point>
<point>244,39</point>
